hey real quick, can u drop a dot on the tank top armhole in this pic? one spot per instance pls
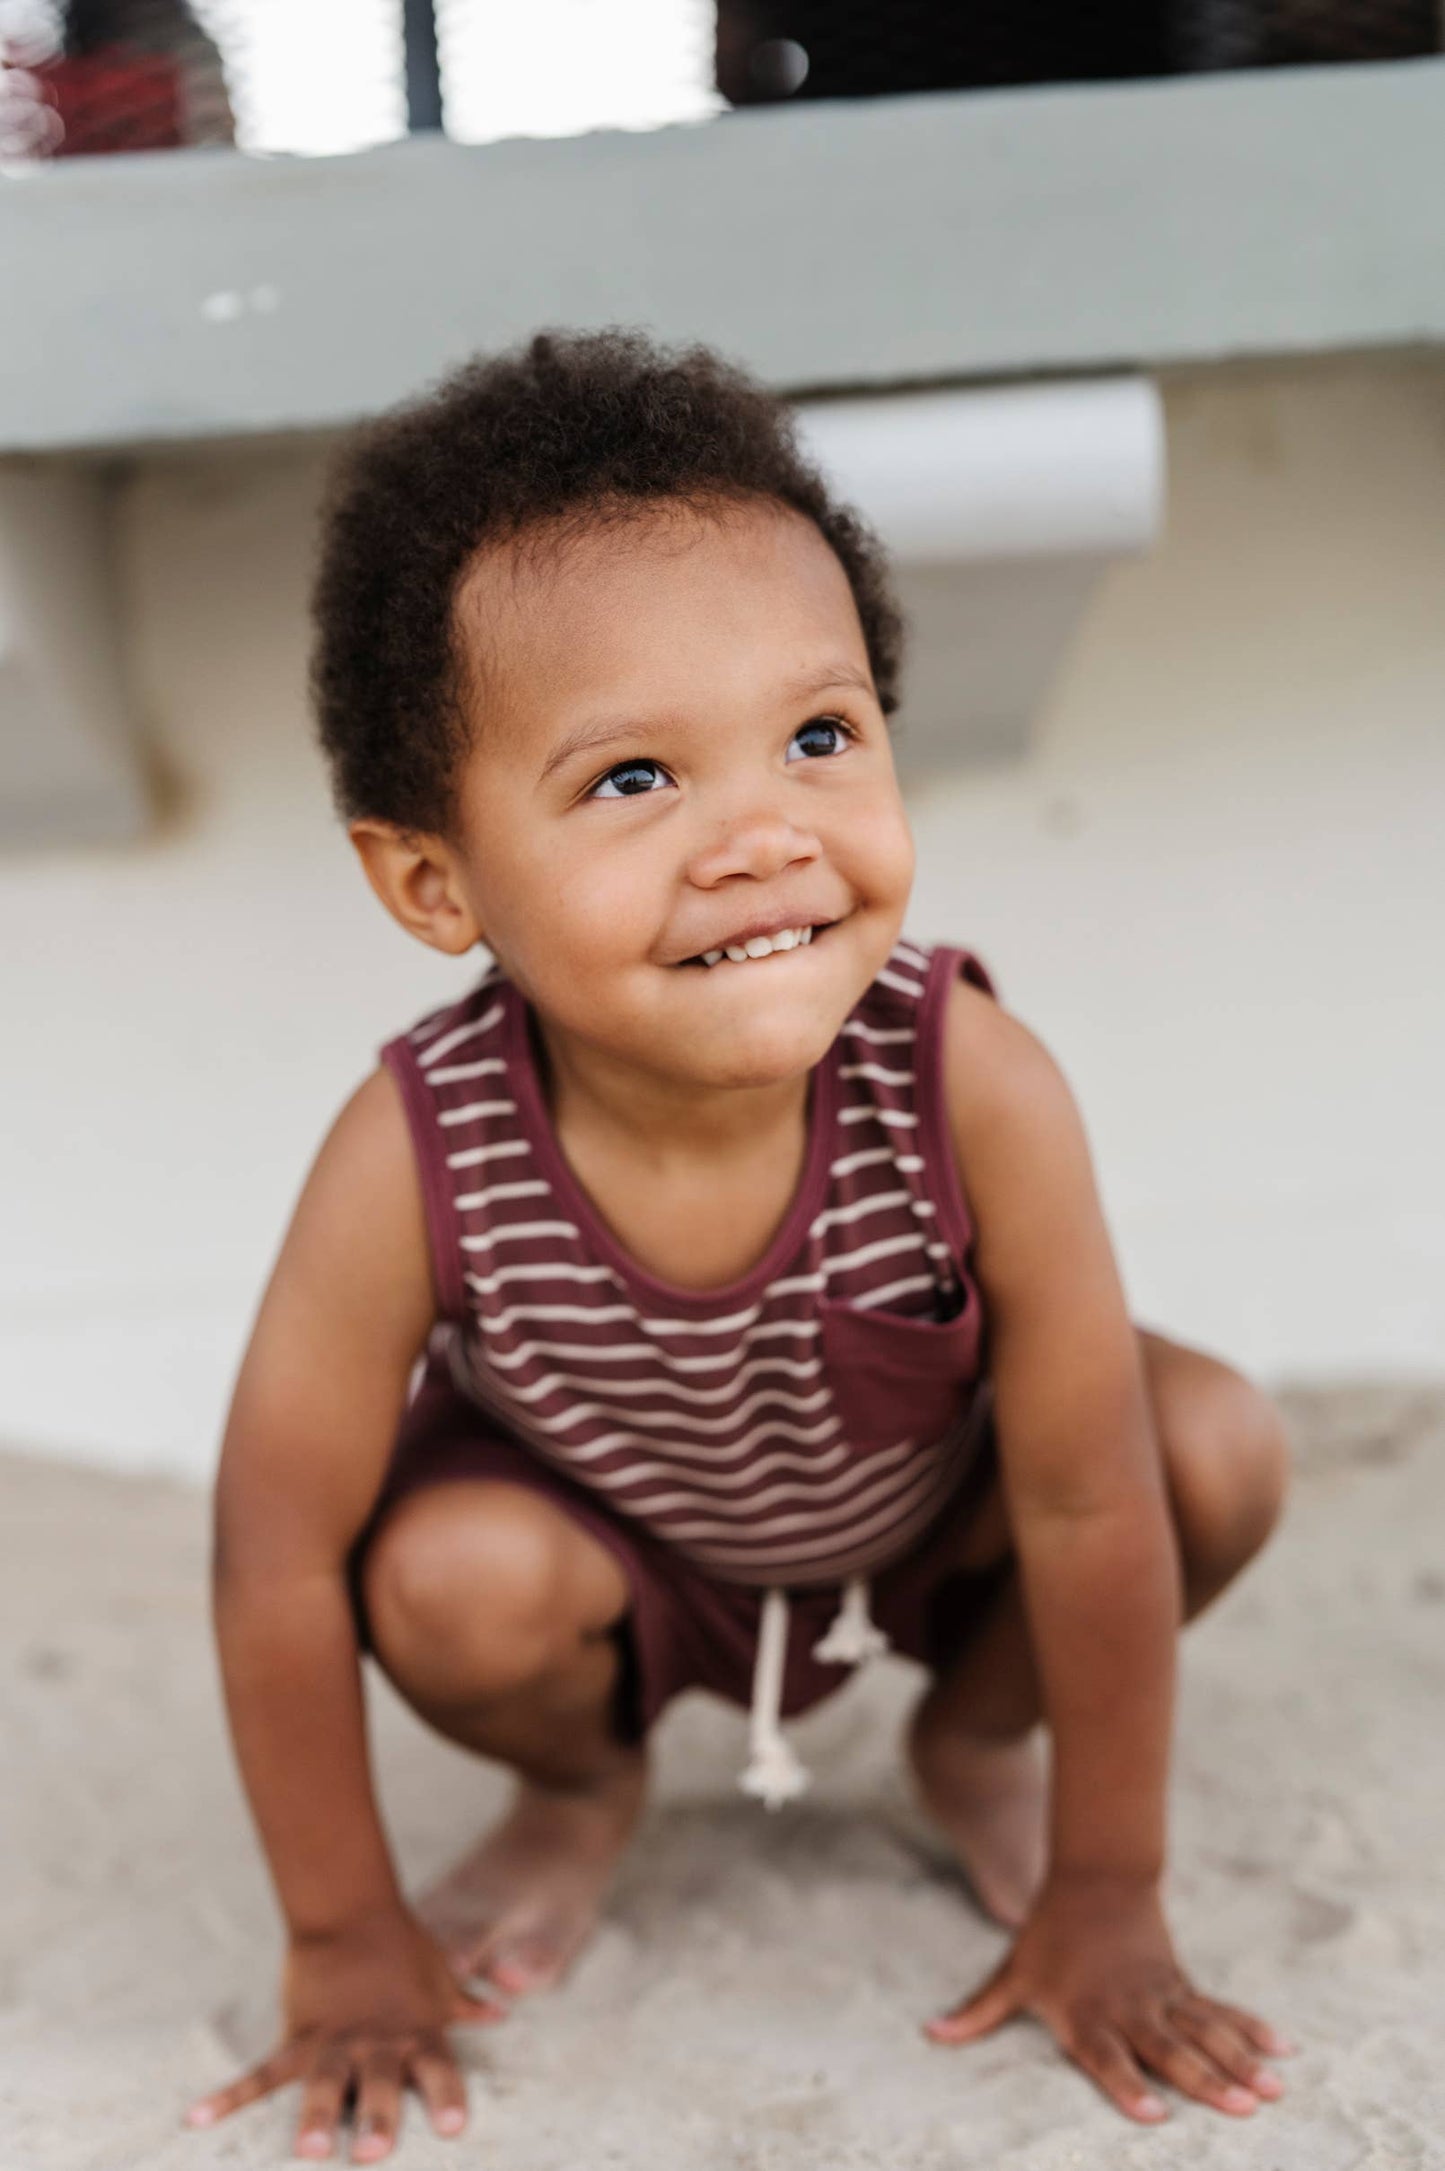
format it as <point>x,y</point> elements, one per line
<point>443,1227</point>
<point>945,1178</point>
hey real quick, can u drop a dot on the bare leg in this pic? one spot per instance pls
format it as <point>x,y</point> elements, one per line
<point>492,1614</point>
<point>974,1739</point>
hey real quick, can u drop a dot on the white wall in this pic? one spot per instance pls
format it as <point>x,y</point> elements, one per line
<point>1217,887</point>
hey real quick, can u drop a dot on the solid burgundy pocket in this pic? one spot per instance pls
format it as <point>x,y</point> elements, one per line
<point>895,1378</point>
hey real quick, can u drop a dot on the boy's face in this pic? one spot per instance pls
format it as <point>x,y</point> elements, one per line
<point>678,747</point>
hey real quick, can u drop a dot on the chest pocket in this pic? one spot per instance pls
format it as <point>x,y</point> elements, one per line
<point>894,1378</point>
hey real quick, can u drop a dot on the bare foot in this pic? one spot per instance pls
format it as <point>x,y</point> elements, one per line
<point>990,1799</point>
<point>519,1908</point>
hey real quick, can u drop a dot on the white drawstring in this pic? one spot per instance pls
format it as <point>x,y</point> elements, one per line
<point>775,1774</point>
<point>854,1635</point>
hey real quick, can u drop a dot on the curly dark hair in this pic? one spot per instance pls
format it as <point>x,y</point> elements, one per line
<point>580,424</point>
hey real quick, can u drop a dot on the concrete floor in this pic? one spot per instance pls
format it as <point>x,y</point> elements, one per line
<point>754,1996</point>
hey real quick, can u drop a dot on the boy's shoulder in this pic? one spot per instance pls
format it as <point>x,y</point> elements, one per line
<point>1012,1116</point>
<point>426,1041</point>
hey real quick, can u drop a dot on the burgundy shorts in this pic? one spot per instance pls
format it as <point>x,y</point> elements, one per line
<point>684,1629</point>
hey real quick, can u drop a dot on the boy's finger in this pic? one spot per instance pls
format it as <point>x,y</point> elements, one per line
<point>378,2105</point>
<point>262,2080</point>
<point>322,2103</point>
<point>434,2075</point>
<point>987,2009</point>
<point>1166,2052</point>
<point>1110,2065</point>
<point>1254,2030</point>
<point>1226,2043</point>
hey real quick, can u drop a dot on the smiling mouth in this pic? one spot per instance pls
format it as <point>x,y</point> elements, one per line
<point>761,946</point>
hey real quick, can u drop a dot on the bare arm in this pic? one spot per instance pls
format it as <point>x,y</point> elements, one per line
<point>1084,1486</point>
<point>311,1427</point>
<point>323,1385</point>
<point>1081,1468</point>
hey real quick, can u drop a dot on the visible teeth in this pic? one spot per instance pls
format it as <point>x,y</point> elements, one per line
<point>787,938</point>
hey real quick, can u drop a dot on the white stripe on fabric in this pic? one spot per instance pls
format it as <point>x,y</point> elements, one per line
<point>896,980</point>
<point>608,1442</point>
<point>873,1297</point>
<point>866,1159</point>
<point>834,1216</point>
<point>723,1481</point>
<point>909,1164</point>
<point>792,1284</point>
<point>454,1039</point>
<point>487,1285</point>
<point>503,1233</point>
<point>910,955</point>
<point>635,1473</point>
<point>880,1036</point>
<point>708,1397</point>
<point>855,1475</point>
<point>533,1188</point>
<point>474,1156</point>
<point>877,1073</point>
<point>767,1398</point>
<point>597,1315</point>
<point>454,1073</point>
<point>430,1026</point>
<point>885,1248</point>
<point>473,1109</point>
<point>884,1543</point>
<point>778,1525</point>
<point>894,1118</point>
<point>506,1360</point>
<point>908,1510</point>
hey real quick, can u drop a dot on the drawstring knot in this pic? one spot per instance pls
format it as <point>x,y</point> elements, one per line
<point>854,1635</point>
<point>775,1773</point>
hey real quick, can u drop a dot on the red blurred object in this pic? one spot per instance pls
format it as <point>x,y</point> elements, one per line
<point>116,101</point>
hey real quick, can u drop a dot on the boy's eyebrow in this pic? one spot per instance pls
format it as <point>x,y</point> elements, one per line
<point>591,738</point>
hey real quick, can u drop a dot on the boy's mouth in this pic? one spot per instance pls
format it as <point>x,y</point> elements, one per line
<point>760,946</point>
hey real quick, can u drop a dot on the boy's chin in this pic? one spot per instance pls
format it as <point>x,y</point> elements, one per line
<point>761,1058</point>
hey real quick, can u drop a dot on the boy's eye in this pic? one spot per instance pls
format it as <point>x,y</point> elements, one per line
<point>821,735</point>
<point>629,780</point>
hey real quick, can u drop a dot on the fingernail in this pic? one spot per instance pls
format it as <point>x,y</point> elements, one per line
<point>1238,2099</point>
<point>314,2144</point>
<point>1268,2084</point>
<point>200,2114</point>
<point>1151,2107</point>
<point>1282,2047</point>
<point>450,2121</point>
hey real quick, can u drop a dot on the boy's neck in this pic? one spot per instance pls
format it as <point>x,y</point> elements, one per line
<point>664,1121</point>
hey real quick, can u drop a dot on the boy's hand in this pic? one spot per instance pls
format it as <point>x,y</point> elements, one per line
<point>1095,1963</point>
<point>366,2011</point>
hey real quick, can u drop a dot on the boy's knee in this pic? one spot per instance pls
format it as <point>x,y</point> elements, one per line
<point>1229,1461</point>
<point>467,1591</point>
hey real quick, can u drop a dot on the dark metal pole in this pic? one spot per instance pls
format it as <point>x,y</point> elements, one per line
<point>423,66</point>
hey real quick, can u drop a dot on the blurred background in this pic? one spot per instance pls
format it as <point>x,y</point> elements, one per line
<point>1124,323</point>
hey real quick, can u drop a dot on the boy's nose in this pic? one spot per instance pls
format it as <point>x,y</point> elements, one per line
<point>758,843</point>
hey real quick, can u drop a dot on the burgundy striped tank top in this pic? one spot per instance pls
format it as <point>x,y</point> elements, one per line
<point>802,1425</point>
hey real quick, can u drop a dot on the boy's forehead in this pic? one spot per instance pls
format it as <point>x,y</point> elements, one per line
<point>634,606</point>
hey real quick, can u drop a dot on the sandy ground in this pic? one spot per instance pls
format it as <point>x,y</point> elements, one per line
<point>753,1999</point>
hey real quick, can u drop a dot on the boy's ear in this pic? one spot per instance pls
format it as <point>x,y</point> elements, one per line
<point>417,878</point>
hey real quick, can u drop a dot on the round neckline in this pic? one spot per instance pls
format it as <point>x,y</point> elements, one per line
<point>536,1116</point>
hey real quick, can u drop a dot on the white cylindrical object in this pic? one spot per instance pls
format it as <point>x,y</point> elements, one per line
<point>1004,472</point>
